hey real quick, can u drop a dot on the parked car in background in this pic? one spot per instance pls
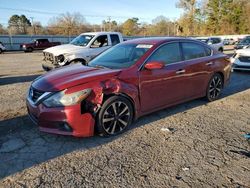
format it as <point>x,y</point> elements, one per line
<point>244,43</point>
<point>127,81</point>
<point>229,41</point>
<point>2,48</point>
<point>38,44</point>
<point>241,60</point>
<point>215,42</point>
<point>80,50</point>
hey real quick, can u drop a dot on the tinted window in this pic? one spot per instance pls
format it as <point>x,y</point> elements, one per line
<point>208,51</point>
<point>193,50</point>
<point>169,53</point>
<point>114,39</point>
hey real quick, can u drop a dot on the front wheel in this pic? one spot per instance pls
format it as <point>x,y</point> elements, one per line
<point>115,116</point>
<point>214,88</point>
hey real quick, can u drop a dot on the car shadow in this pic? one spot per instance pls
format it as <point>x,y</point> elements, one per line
<point>17,79</point>
<point>34,147</point>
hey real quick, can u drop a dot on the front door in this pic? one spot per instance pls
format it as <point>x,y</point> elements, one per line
<point>166,86</point>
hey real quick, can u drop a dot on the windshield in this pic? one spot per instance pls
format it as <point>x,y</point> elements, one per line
<point>245,41</point>
<point>82,40</point>
<point>120,56</point>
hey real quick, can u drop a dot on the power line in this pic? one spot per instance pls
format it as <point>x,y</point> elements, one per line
<point>58,13</point>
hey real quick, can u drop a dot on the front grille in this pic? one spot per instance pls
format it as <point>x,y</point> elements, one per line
<point>245,59</point>
<point>49,57</point>
<point>34,94</point>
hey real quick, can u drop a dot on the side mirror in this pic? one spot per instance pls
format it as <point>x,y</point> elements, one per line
<point>154,65</point>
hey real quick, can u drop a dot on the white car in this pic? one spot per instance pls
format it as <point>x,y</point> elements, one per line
<point>2,48</point>
<point>80,50</point>
<point>215,42</point>
<point>241,60</point>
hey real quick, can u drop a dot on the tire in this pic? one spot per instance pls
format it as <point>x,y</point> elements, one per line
<point>1,51</point>
<point>220,50</point>
<point>28,50</point>
<point>115,116</point>
<point>214,87</point>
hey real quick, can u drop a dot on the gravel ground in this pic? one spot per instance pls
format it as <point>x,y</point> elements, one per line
<point>196,144</point>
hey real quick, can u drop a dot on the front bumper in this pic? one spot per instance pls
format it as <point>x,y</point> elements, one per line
<point>239,65</point>
<point>63,120</point>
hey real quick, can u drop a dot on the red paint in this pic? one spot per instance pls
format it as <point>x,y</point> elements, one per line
<point>151,88</point>
<point>154,65</point>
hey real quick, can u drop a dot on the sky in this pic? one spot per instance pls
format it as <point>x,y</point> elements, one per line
<point>94,11</point>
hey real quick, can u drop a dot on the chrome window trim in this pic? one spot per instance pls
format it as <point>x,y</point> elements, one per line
<point>181,41</point>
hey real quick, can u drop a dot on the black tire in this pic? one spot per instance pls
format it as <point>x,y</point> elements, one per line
<point>221,50</point>
<point>1,51</point>
<point>214,87</point>
<point>28,50</point>
<point>115,116</point>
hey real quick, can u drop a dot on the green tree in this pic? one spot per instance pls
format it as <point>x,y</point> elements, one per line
<point>19,24</point>
<point>190,8</point>
<point>130,27</point>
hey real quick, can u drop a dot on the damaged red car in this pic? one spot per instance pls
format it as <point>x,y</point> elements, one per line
<point>125,82</point>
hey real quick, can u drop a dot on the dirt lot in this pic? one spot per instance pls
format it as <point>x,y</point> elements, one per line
<point>202,147</point>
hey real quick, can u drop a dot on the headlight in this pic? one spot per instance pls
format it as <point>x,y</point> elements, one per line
<point>61,99</point>
<point>60,58</point>
<point>24,46</point>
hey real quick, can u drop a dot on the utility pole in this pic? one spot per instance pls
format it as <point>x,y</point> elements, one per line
<point>32,22</point>
<point>109,21</point>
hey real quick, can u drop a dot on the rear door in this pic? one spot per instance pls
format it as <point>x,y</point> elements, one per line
<point>199,63</point>
<point>166,86</point>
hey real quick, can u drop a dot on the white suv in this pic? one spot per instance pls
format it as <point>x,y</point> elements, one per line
<point>215,42</point>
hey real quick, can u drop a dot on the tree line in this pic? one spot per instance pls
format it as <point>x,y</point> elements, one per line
<point>200,17</point>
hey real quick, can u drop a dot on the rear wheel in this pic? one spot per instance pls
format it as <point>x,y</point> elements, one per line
<point>215,87</point>
<point>221,50</point>
<point>1,51</point>
<point>115,116</point>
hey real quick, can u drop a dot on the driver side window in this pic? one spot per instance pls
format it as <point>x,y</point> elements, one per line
<point>100,41</point>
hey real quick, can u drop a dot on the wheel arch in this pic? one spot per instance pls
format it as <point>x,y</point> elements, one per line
<point>78,59</point>
<point>222,76</point>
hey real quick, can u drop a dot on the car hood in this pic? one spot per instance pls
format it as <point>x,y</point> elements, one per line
<point>70,76</point>
<point>245,52</point>
<point>64,49</point>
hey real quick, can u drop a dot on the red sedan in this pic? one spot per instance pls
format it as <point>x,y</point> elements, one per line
<point>125,82</point>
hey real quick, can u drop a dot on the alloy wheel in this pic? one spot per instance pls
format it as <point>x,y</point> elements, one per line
<point>116,117</point>
<point>215,87</point>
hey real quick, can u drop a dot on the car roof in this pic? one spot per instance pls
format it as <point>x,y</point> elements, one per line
<point>100,33</point>
<point>156,40</point>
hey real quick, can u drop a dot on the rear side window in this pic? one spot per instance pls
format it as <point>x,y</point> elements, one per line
<point>169,53</point>
<point>114,39</point>
<point>208,51</point>
<point>193,50</point>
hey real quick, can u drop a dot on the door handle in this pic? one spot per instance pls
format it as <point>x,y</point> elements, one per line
<point>210,63</point>
<point>181,71</point>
